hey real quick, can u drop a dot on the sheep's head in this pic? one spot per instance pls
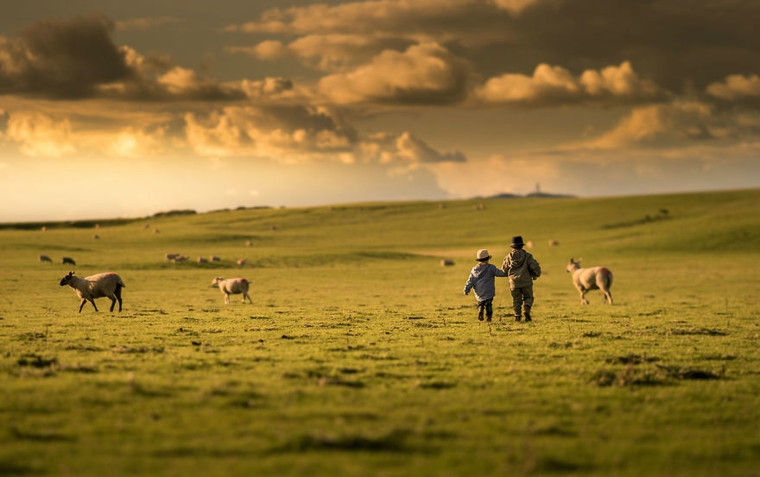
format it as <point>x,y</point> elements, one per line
<point>215,282</point>
<point>573,265</point>
<point>65,280</point>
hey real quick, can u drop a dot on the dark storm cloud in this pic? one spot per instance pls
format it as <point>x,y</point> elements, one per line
<point>61,58</point>
<point>77,58</point>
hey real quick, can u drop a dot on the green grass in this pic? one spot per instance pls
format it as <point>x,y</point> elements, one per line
<point>361,357</point>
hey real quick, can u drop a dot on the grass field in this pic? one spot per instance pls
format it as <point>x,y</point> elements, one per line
<point>360,355</point>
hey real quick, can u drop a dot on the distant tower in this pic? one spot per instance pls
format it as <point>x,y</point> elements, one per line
<point>538,188</point>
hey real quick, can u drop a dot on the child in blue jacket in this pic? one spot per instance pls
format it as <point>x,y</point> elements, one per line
<point>481,279</point>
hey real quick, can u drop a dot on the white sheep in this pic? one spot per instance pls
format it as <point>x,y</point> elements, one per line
<point>104,284</point>
<point>234,286</point>
<point>594,278</point>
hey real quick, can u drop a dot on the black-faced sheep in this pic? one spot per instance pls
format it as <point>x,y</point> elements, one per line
<point>104,284</point>
<point>68,261</point>
<point>593,278</point>
<point>232,286</point>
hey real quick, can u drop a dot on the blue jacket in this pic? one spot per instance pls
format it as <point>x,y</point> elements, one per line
<point>481,279</point>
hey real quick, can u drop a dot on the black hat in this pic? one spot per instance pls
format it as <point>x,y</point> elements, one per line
<point>518,241</point>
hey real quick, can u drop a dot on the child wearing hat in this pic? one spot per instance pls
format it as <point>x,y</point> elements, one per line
<point>522,269</point>
<point>481,279</point>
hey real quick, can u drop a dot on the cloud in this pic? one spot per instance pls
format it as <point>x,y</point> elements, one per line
<point>39,135</point>
<point>62,58</point>
<point>736,88</point>
<point>415,21</point>
<point>304,135</point>
<point>156,78</point>
<point>554,85</point>
<point>290,133</point>
<point>145,23</point>
<point>58,135</point>
<point>678,125</point>
<point>423,74</point>
<point>329,52</point>
<point>77,59</point>
<point>405,150</point>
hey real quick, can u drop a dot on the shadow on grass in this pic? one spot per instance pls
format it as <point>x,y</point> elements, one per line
<point>12,468</point>
<point>395,441</point>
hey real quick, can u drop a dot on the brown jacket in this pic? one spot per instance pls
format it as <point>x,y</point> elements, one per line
<point>521,268</point>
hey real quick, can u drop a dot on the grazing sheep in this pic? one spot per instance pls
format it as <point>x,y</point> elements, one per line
<point>202,260</point>
<point>234,286</point>
<point>97,286</point>
<point>447,263</point>
<point>68,260</point>
<point>171,256</point>
<point>553,243</point>
<point>241,262</point>
<point>214,258</point>
<point>595,278</point>
<point>45,258</point>
<point>181,258</point>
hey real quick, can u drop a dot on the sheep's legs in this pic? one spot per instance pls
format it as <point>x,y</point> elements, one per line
<point>84,300</point>
<point>583,296</point>
<point>227,298</point>
<point>114,297</point>
<point>608,296</point>
<point>245,295</point>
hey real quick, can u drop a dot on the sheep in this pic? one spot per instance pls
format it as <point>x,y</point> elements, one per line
<point>447,263</point>
<point>104,284</point>
<point>202,260</point>
<point>171,256</point>
<point>553,243</point>
<point>595,278</point>
<point>214,258</point>
<point>45,258</point>
<point>68,260</point>
<point>233,286</point>
<point>241,262</point>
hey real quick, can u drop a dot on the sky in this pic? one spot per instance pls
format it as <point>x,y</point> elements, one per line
<point>112,108</point>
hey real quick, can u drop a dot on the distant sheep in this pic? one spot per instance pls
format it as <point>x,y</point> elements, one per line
<point>595,278</point>
<point>202,260</point>
<point>234,286</point>
<point>97,286</point>
<point>241,262</point>
<point>447,263</point>
<point>45,258</point>
<point>68,261</point>
<point>181,258</point>
<point>171,256</point>
<point>214,258</point>
<point>553,243</point>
